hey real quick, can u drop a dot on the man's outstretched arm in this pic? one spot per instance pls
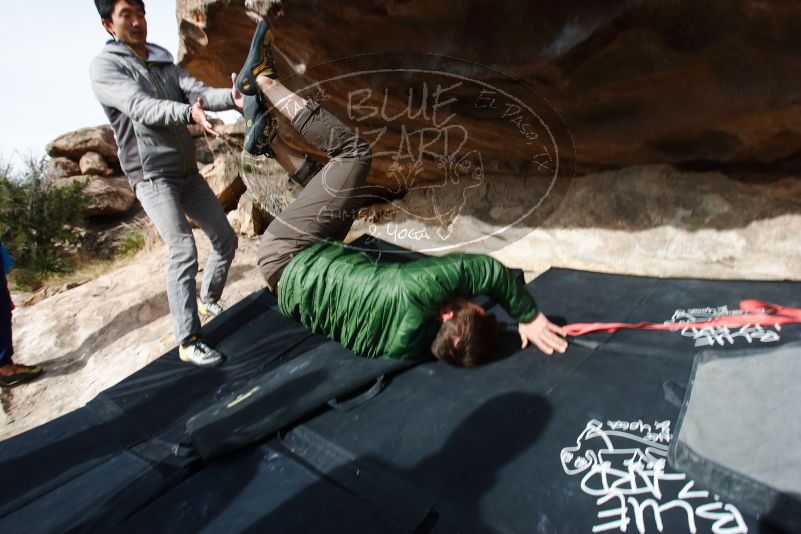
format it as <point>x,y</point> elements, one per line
<point>214,99</point>
<point>546,336</point>
<point>482,274</point>
<point>115,88</point>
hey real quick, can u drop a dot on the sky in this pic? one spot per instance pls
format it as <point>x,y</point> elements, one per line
<point>46,50</point>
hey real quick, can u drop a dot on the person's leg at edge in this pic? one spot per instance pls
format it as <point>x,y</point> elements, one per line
<point>6,345</point>
<point>161,200</point>
<point>10,372</point>
<point>298,165</point>
<point>284,100</point>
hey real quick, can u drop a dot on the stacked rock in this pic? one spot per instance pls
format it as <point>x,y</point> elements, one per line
<point>90,155</point>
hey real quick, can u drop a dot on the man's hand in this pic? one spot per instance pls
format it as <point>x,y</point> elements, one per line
<point>239,98</point>
<point>199,116</point>
<point>547,336</point>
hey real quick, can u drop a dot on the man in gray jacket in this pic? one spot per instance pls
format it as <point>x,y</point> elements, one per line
<point>150,101</point>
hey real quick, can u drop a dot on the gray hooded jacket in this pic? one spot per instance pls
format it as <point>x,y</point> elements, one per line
<point>148,106</point>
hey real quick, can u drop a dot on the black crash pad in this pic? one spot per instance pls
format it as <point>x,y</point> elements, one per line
<point>254,491</point>
<point>284,395</point>
<point>736,430</point>
<point>526,443</point>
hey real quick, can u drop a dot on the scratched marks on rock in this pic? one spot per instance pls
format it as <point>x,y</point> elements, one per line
<point>710,336</point>
<point>441,139</point>
<point>542,158</point>
<point>623,465</point>
<point>459,162</point>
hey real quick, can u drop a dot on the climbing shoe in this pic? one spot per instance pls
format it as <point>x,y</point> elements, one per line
<point>259,61</point>
<point>261,127</point>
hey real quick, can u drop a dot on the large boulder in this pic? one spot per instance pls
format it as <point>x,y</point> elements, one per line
<point>92,164</point>
<point>223,178</point>
<point>75,144</point>
<point>248,219</point>
<point>682,82</point>
<point>652,220</point>
<point>108,196</point>
<point>61,168</point>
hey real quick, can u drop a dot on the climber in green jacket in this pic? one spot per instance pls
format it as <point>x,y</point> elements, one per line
<point>377,311</point>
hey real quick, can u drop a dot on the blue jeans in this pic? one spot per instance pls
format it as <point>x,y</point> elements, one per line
<point>6,347</point>
<point>168,202</point>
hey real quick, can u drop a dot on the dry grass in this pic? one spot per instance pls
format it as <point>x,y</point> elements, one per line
<point>132,238</point>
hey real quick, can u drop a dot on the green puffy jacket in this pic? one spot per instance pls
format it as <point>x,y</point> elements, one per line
<point>388,311</point>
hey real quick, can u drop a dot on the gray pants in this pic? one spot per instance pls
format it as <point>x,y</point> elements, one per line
<point>328,205</point>
<point>168,202</point>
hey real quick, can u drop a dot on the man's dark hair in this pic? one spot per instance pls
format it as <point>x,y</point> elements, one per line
<point>465,339</point>
<point>106,7</point>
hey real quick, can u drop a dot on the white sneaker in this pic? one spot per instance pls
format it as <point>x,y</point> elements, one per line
<point>198,353</point>
<point>209,309</point>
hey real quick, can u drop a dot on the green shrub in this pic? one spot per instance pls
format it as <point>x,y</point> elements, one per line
<point>39,223</point>
<point>133,238</point>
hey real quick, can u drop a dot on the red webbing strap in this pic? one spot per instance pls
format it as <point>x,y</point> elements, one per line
<point>756,312</point>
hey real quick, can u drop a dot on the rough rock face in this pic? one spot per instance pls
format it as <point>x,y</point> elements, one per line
<point>86,154</point>
<point>50,291</point>
<point>75,144</point>
<point>223,178</point>
<point>92,164</point>
<point>646,220</point>
<point>681,82</point>
<point>248,219</point>
<point>267,183</point>
<point>61,168</point>
<point>108,196</point>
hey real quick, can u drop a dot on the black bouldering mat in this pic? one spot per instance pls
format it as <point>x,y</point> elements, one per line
<point>596,462</point>
<point>49,456</point>
<point>141,420</point>
<point>284,395</point>
<point>737,431</point>
<point>520,447</point>
<point>613,298</point>
<point>526,443</point>
<point>101,496</point>
<point>255,491</point>
<point>158,399</point>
